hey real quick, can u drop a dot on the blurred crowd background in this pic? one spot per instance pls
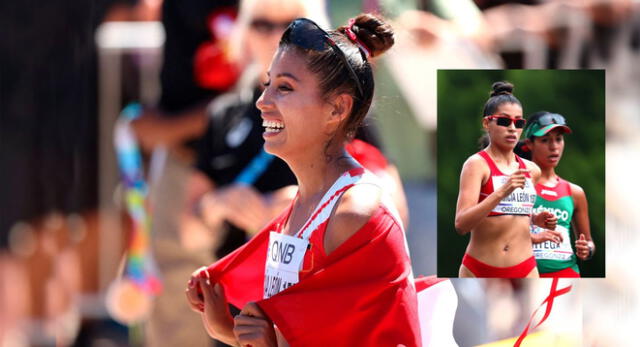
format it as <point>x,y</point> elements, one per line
<point>67,68</point>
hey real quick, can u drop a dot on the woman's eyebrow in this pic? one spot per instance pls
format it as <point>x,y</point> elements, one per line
<point>507,114</point>
<point>287,74</point>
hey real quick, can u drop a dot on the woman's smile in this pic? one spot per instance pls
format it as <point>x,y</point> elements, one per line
<point>272,127</point>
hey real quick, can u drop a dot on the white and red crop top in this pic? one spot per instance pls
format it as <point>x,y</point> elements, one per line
<point>519,202</point>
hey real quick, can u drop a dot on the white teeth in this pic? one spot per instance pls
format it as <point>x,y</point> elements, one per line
<point>272,125</point>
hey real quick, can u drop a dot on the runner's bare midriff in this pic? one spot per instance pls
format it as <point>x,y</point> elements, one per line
<point>501,241</point>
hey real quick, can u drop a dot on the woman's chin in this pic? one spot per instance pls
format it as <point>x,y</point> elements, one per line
<point>506,146</point>
<point>272,148</point>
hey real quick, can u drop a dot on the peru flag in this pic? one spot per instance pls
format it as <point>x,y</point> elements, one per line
<point>363,295</point>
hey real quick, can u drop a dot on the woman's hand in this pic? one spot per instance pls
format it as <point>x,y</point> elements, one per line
<point>584,248</point>
<point>547,235</point>
<point>210,300</point>
<point>242,205</point>
<point>194,294</point>
<point>253,328</point>
<point>516,180</point>
<point>152,129</point>
<point>545,220</point>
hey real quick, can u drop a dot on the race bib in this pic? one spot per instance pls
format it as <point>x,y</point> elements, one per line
<point>550,250</point>
<point>284,261</point>
<point>520,201</point>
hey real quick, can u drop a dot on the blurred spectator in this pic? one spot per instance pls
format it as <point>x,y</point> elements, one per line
<point>562,34</point>
<point>233,137</point>
<point>193,51</point>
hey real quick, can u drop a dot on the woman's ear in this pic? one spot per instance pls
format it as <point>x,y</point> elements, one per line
<point>529,143</point>
<point>485,123</point>
<point>340,107</point>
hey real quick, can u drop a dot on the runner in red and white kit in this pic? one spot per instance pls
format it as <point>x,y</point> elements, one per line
<point>334,268</point>
<point>497,194</point>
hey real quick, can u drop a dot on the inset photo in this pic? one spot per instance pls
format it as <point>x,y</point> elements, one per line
<point>521,173</point>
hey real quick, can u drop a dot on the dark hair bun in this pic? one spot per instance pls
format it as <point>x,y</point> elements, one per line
<point>501,88</point>
<point>373,32</point>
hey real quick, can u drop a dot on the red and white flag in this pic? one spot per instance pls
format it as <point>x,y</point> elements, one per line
<point>363,295</point>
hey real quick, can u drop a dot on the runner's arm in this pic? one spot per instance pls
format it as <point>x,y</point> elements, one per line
<point>580,222</point>
<point>470,212</point>
<point>534,170</point>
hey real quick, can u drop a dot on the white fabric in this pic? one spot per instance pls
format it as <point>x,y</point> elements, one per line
<point>343,181</point>
<point>285,256</point>
<point>437,306</point>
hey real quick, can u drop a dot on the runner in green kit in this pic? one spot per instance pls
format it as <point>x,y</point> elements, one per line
<point>555,257</point>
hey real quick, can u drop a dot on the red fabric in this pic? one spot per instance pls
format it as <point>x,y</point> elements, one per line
<point>367,155</point>
<point>564,273</point>
<point>423,283</point>
<point>487,188</point>
<point>562,189</point>
<point>359,295</point>
<point>213,67</point>
<point>480,269</point>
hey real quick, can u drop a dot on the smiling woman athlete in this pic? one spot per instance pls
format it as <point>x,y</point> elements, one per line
<point>333,269</point>
<point>496,196</point>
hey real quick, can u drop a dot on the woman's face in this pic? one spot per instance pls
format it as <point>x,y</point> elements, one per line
<point>268,21</point>
<point>296,117</point>
<point>546,151</point>
<point>504,136</point>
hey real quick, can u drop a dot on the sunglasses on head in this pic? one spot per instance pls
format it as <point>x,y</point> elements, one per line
<point>306,34</point>
<point>551,118</point>
<point>506,121</point>
<point>266,26</point>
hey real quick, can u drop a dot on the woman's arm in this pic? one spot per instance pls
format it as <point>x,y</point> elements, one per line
<point>153,129</point>
<point>534,169</point>
<point>585,248</point>
<point>195,231</point>
<point>240,204</point>
<point>547,235</point>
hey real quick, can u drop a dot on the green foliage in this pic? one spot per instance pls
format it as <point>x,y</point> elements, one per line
<point>579,95</point>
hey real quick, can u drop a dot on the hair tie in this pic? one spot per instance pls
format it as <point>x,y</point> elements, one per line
<point>354,38</point>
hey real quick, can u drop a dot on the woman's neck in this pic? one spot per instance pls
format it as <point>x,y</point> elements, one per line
<point>501,155</point>
<point>317,173</point>
<point>547,174</point>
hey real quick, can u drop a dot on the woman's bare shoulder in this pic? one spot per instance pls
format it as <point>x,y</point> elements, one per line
<point>355,208</point>
<point>475,164</point>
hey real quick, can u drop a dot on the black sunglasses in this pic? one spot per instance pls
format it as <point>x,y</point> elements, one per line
<point>306,34</point>
<point>506,121</point>
<point>551,118</point>
<point>266,26</point>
